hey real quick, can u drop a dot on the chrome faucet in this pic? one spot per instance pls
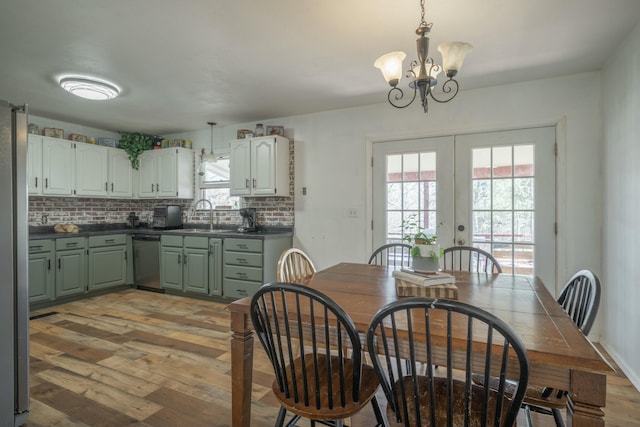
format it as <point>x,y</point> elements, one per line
<point>210,211</point>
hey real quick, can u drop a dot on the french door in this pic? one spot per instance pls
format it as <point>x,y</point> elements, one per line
<point>493,190</point>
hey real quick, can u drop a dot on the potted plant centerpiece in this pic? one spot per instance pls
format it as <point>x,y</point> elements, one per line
<point>426,251</point>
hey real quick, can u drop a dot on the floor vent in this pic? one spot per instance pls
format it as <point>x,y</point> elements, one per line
<point>39,316</point>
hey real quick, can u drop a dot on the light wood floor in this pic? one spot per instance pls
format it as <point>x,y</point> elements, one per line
<point>147,359</point>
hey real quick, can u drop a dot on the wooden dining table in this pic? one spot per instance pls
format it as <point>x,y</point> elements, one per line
<point>560,355</point>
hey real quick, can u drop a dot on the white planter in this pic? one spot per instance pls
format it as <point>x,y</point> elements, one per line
<point>428,251</point>
<point>429,259</point>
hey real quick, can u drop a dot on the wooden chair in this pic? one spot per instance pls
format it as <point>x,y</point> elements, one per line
<point>404,331</point>
<point>580,298</point>
<point>468,258</point>
<point>324,380</point>
<point>392,254</point>
<point>293,266</point>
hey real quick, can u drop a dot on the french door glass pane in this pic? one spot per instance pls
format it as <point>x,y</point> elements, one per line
<point>411,193</point>
<point>503,204</point>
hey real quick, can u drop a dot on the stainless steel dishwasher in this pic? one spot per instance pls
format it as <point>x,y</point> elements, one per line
<point>146,262</point>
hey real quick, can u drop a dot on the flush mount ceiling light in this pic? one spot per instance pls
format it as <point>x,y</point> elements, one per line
<point>424,71</point>
<point>89,87</point>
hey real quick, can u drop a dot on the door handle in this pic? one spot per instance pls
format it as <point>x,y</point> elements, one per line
<point>59,263</point>
<point>46,183</point>
<point>246,183</point>
<point>461,242</point>
<point>36,182</point>
<point>179,259</point>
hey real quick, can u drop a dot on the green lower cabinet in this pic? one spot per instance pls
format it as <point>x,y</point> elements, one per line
<point>185,263</point>
<point>41,271</point>
<point>171,267</point>
<point>71,266</point>
<point>107,267</point>
<point>215,266</point>
<point>196,270</point>
<point>249,263</point>
<point>70,272</point>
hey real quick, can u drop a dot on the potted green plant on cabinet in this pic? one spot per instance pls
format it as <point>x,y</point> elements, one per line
<point>426,250</point>
<point>134,143</point>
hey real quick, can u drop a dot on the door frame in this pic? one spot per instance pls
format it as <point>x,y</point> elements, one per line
<point>561,179</point>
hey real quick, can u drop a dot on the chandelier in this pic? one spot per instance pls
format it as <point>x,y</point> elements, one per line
<point>424,72</point>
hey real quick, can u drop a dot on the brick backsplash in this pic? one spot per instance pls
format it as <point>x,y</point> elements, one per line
<point>270,211</point>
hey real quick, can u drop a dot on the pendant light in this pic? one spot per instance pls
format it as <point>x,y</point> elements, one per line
<point>423,72</point>
<point>204,157</point>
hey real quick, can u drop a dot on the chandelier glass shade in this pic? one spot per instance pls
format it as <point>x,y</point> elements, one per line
<point>207,158</point>
<point>89,87</point>
<point>424,71</point>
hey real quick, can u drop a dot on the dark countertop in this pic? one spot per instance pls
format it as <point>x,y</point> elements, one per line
<point>46,232</point>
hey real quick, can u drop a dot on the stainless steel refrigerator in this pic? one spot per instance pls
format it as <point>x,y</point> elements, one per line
<point>14,292</point>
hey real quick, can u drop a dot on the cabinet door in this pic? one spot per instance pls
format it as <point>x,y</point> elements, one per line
<point>107,267</point>
<point>120,174</point>
<point>166,173</point>
<point>70,272</point>
<point>57,166</point>
<point>263,167</point>
<point>215,266</point>
<point>240,168</point>
<point>146,175</point>
<point>196,270</point>
<point>34,164</point>
<point>92,168</point>
<point>41,277</point>
<point>171,268</point>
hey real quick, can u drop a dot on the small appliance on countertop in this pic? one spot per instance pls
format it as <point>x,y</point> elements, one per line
<point>167,217</point>
<point>133,220</point>
<point>248,220</point>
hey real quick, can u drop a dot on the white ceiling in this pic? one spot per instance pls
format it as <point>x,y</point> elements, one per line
<point>183,63</point>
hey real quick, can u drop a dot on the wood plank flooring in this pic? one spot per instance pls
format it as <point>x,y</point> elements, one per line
<point>137,358</point>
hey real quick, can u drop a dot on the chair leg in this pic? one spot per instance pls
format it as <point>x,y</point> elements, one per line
<point>378,412</point>
<point>557,415</point>
<point>281,415</point>
<point>527,415</point>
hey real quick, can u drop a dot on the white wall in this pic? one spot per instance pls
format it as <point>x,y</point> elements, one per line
<point>621,99</point>
<point>331,161</point>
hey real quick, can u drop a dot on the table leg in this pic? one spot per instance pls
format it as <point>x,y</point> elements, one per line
<point>241,370</point>
<point>587,397</point>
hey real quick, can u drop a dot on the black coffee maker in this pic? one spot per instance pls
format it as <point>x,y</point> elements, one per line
<point>248,220</point>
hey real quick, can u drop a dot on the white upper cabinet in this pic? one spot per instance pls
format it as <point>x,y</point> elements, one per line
<point>92,170</point>
<point>166,173</point>
<point>58,161</point>
<point>34,164</point>
<point>120,174</point>
<point>260,166</point>
<point>57,167</point>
